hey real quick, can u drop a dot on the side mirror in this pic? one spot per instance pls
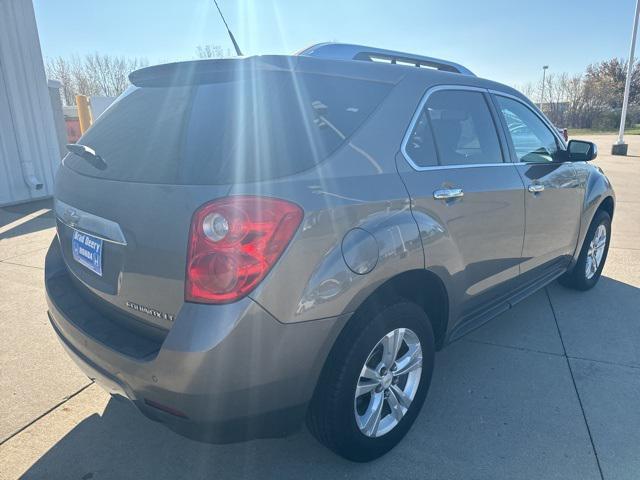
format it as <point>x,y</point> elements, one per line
<point>581,151</point>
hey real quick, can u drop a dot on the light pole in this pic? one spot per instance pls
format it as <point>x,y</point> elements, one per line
<point>620,148</point>
<point>544,71</point>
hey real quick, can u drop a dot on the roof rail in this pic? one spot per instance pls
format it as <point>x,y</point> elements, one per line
<point>345,51</point>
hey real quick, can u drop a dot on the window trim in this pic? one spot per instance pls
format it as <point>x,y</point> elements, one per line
<point>560,143</point>
<point>497,124</point>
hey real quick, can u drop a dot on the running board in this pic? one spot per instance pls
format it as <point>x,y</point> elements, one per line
<point>474,322</point>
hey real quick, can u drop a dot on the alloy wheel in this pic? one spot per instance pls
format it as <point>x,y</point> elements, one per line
<point>596,251</point>
<point>388,382</point>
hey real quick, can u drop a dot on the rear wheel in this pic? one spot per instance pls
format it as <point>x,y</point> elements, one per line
<point>588,268</point>
<point>374,383</point>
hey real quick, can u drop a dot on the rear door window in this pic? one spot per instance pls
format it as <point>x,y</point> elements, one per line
<point>463,127</point>
<point>270,125</point>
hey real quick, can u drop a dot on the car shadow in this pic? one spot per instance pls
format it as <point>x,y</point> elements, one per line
<point>480,415</point>
<point>121,443</point>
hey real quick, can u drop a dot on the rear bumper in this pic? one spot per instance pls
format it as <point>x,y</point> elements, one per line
<point>223,373</point>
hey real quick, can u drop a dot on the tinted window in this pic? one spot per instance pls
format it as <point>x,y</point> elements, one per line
<point>532,139</point>
<point>463,128</point>
<point>420,147</point>
<point>271,125</point>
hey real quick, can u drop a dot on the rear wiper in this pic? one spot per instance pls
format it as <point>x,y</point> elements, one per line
<point>89,154</point>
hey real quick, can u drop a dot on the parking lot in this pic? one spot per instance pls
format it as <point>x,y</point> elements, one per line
<point>550,389</point>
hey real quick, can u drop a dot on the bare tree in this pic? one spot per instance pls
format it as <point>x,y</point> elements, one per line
<point>555,105</point>
<point>93,74</point>
<point>109,74</point>
<point>575,97</point>
<point>209,51</point>
<point>592,99</point>
<point>84,83</point>
<point>60,69</point>
<point>527,89</point>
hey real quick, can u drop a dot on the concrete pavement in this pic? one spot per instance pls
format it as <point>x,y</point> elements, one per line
<point>547,390</point>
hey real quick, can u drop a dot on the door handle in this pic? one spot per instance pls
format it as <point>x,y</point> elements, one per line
<point>535,188</point>
<point>448,193</point>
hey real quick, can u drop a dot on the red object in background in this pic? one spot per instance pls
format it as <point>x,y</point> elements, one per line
<point>73,129</point>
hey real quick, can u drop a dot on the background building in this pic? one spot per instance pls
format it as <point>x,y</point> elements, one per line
<point>29,145</point>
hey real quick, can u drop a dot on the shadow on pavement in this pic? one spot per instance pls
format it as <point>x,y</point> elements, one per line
<point>13,212</point>
<point>43,222</point>
<point>16,213</point>
<point>121,443</point>
<point>492,412</point>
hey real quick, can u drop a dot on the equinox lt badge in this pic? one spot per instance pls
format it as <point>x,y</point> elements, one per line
<point>150,311</point>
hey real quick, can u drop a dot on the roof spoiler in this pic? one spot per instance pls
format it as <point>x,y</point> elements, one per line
<point>195,72</point>
<point>344,51</point>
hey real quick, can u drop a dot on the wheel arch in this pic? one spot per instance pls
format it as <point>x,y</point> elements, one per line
<point>420,286</point>
<point>608,205</point>
<point>599,195</point>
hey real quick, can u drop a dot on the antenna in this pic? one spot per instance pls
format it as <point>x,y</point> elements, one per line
<point>233,40</point>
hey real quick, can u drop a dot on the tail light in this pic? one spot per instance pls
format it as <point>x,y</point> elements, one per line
<point>233,243</point>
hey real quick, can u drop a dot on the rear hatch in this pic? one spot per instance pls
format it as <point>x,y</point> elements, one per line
<point>181,136</point>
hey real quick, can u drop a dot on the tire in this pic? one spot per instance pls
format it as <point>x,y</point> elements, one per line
<point>332,413</point>
<point>579,278</point>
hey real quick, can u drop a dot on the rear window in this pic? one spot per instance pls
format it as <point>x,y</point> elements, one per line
<point>272,125</point>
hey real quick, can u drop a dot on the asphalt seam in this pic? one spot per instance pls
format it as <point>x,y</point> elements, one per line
<point>544,352</point>
<point>42,415</point>
<point>575,386</point>
<point>23,253</point>
<point>513,347</point>
<point>604,362</point>
<point>21,265</point>
<point>623,248</point>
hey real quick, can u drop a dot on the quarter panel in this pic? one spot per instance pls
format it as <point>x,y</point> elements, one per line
<point>312,280</point>
<point>358,187</point>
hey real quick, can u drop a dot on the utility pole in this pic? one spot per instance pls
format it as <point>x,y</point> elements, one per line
<point>544,71</point>
<point>620,148</point>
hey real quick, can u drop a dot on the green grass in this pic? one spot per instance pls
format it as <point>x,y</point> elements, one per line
<point>635,130</point>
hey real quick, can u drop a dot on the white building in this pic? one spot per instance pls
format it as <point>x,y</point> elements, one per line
<point>29,148</point>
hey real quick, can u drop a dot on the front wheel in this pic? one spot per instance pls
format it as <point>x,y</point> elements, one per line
<point>588,268</point>
<point>375,382</point>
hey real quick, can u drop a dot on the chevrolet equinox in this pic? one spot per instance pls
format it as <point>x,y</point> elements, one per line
<point>245,244</point>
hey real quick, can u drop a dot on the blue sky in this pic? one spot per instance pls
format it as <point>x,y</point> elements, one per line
<point>504,40</point>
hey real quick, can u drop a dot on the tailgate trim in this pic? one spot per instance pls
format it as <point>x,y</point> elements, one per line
<point>99,227</point>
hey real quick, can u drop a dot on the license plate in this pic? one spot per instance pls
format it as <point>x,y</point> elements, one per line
<point>87,251</point>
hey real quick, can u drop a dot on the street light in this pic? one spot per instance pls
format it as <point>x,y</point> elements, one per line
<point>544,71</point>
<point>620,148</point>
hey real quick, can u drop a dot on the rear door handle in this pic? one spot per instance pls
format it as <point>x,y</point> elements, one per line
<point>535,188</point>
<point>448,193</point>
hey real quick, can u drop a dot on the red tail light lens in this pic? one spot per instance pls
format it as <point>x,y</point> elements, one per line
<point>233,244</point>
